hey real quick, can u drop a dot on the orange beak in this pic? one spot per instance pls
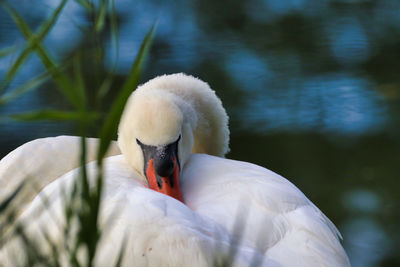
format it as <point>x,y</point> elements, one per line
<point>166,185</point>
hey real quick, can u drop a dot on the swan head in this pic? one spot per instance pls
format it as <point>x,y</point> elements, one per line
<point>164,121</point>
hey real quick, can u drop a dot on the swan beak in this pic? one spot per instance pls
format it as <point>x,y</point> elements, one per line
<point>162,168</point>
<point>164,177</point>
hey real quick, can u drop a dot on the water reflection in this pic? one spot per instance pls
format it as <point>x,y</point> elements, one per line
<point>331,103</point>
<point>311,86</point>
<point>368,243</point>
<point>177,33</point>
<point>348,40</point>
<point>362,201</point>
<point>367,240</point>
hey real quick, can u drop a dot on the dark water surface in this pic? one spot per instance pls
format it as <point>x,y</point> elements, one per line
<point>312,89</point>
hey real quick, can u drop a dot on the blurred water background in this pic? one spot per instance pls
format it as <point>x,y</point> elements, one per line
<point>312,88</point>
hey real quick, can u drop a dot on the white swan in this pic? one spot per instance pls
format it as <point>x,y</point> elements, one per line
<point>165,122</point>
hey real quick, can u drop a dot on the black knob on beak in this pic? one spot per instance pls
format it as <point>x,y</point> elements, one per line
<point>163,163</point>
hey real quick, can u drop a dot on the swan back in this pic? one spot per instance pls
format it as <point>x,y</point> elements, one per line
<point>169,107</point>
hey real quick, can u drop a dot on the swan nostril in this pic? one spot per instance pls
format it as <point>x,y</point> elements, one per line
<point>164,168</point>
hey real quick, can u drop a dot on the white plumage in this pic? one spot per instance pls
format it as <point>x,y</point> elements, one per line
<point>279,225</point>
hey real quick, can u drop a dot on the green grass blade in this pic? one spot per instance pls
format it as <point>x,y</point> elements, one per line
<point>24,28</point>
<point>89,233</point>
<point>32,39</point>
<point>27,87</point>
<point>6,51</point>
<point>63,82</point>
<point>80,83</point>
<point>99,24</point>
<point>55,115</point>
<point>49,23</point>
<point>14,68</point>
<point>65,85</point>
<point>86,5</point>
<point>106,84</point>
<point>110,127</point>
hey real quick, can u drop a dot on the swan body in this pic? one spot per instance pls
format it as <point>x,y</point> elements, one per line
<point>226,203</point>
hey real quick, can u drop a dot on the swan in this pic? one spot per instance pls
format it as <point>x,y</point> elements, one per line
<point>172,197</point>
